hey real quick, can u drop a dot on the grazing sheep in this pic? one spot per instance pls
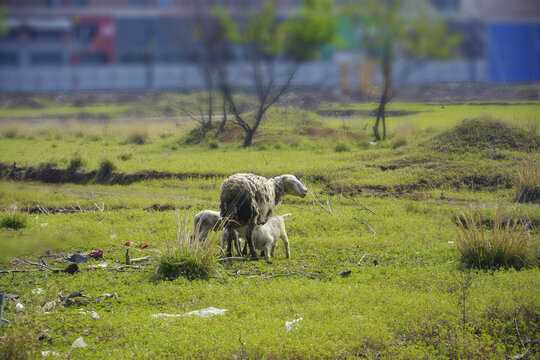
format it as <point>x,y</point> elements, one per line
<point>249,199</point>
<point>266,237</point>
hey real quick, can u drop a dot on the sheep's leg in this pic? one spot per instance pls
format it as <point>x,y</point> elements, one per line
<point>249,240</point>
<point>273,250</point>
<point>237,244</point>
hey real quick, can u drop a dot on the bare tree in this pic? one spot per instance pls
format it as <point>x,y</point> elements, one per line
<point>263,43</point>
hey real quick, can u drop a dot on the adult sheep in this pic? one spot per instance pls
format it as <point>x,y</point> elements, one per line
<point>249,200</point>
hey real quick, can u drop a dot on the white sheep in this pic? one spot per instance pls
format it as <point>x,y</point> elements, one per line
<point>249,200</point>
<point>206,221</point>
<point>266,237</point>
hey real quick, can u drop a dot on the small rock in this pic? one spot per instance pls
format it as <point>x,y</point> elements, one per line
<point>79,343</point>
<point>345,273</point>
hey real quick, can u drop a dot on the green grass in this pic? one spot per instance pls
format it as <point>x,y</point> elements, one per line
<point>409,297</point>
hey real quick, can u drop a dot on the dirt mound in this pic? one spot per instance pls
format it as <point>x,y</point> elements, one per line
<point>485,133</point>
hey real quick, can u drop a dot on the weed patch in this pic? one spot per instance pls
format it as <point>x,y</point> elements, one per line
<point>21,340</point>
<point>105,170</point>
<point>75,163</point>
<point>504,245</point>
<point>13,220</point>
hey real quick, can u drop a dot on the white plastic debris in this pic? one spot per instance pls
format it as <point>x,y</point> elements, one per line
<point>50,353</point>
<point>211,311</point>
<point>44,224</point>
<point>450,242</point>
<point>49,306</point>
<point>37,291</point>
<point>79,343</point>
<point>113,236</point>
<point>372,143</point>
<point>165,315</point>
<point>19,307</point>
<point>95,315</point>
<point>289,325</point>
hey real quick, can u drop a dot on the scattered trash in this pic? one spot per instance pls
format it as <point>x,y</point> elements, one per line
<point>107,296</point>
<point>372,143</point>
<point>78,343</point>
<point>518,356</point>
<point>77,258</point>
<point>375,262</point>
<point>37,291</point>
<point>144,245</point>
<point>450,242</point>
<point>49,306</point>
<point>166,315</point>
<point>211,311</point>
<point>129,243</point>
<point>95,315</point>
<point>97,254</point>
<point>345,273</point>
<point>11,297</point>
<point>289,325</point>
<point>113,236</point>
<point>19,307</point>
<point>49,353</point>
<point>71,269</point>
<point>102,265</point>
<point>44,224</point>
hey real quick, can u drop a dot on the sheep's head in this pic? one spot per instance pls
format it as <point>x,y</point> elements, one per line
<point>292,186</point>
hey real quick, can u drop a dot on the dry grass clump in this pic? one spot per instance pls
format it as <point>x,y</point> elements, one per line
<point>139,135</point>
<point>190,259</point>
<point>528,186</point>
<point>20,341</point>
<point>506,244</point>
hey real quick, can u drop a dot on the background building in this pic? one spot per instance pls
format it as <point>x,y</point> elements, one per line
<point>56,45</point>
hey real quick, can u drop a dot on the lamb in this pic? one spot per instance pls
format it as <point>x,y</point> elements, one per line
<point>249,200</point>
<point>206,221</point>
<point>266,237</point>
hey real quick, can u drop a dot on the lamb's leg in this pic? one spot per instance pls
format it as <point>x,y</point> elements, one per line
<point>267,253</point>
<point>273,249</point>
<point>229,241</point>
<point>286,243</point>
<point>237,244</point>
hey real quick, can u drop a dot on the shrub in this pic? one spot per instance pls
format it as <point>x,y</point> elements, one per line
<point>105,169</point>
<point>213,144</point>
<point>13,220</point>
<point>76,162</point>
<point>342,147</point>
<point>192,260</point>
<point>505,244</point>
<point>528,186</point>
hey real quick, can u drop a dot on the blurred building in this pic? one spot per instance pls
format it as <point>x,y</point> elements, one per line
<point>141,44</point>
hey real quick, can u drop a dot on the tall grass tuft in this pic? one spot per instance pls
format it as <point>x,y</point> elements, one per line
<point>504,245</point>
<point>528,186</point>
<point>13,220</point>
<point>76,162</point>
<point>106,167</point>
<point>139,135</point>
<point>190,259</point>
<point>20,341</point>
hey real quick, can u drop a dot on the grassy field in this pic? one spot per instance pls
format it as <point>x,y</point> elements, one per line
<point>385,211</point>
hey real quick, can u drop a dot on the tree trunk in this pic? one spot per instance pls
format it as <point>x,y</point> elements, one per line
<point>249,137</point>
<point>222,125</point>
<point>387,91</point>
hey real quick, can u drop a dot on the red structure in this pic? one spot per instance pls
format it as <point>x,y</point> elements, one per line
<point>94,40</point>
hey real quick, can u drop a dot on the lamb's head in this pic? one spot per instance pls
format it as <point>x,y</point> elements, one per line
<point>292,186</point>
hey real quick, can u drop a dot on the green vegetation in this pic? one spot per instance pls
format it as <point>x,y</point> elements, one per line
<point>528,186</point>
<point>385,210</point>
<point>12,220</point>
<point>503,245</point>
